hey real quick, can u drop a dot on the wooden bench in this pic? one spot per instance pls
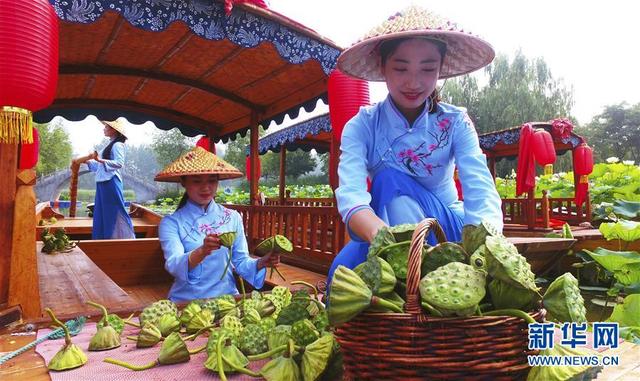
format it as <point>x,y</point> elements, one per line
<point>293,273</point>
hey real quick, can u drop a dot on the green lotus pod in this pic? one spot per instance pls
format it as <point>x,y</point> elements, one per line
<point>233,324</point>
<point>226,239</point>
<point>377,274</point>
<point>213,339</point>
<point>149,336</point>
<point>505,263</point>
<point>506,296</point>
<point>154,311</point>
<point>313,309</point>
<point>316,357</point>
<point>210,304</point>
<point>69,357</point>
<point>173,350</point>
<point>453,289</point>
<point>279,336</point>
<point>202,319</point>
<point>403,232</point>
<point>253,340</point>
<point>115,321</point>
<point>392,297</point>
<point>189,311</point>
<point>292,313</point>
<point>474,236</point>
<point>277,243</point>
<point>563,372</point>
<point>349,296</point>
<point>251,316</point>
<point>234,359</point>
<point>226,305</point>
<point>303,332</point>
<point>168,323</point>
<point>478,260</point>
<point>106,336</point>
<point>321,321</point>
<point>283,294</point>
<point>397,255</point>
<point>277,305</point>
<point>281,369</point>
<point>563,300</point>
<point>383,238</point>
<point>440,255</point>
<point>566,231</point>
<point>268,323</point>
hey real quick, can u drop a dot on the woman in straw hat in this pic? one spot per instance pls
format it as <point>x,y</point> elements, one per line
<point>410,142</point>
<point>189,237</point>
<point>110,217</point>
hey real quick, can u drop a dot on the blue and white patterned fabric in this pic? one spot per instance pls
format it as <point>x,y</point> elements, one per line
<point>379,137</point>
<point>184,231</point>
<point>293,133</point>
<point>512,136</point>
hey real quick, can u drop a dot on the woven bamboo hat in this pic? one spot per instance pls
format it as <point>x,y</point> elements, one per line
<point>198,161</point>
<point>117,125</point>
<point>465,52</point>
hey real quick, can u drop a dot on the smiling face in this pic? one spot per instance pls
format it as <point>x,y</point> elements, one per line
<point>201,189</point>
<point>411,72</point>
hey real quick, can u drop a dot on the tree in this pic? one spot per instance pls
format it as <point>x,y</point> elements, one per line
<point>616,132</point>
<point>236,152</point>
<point>169,145</point>
<point>55,148</point>
<point>141,162</point>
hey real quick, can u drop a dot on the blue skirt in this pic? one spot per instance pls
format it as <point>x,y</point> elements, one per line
<point>110,217</point>
<point>397,199</point>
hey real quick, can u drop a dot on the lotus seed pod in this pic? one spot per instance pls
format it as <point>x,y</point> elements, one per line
<point>474,236</point>
<point>383,238</point>
<point>268,323</point>
<point>251,316</point>
<point>149,336</point>
<point>202,319</point>
<point>377,274</point>
<point>253,340</point>
<point>232,354</point>
<point>304,332</point>
<point>321,321</point>
<point>115,321</point>
<point>105,338</point>
<point>226,239</point>
<point>316,357</point>
<point>403,232</point>
<point>453,289</point>
<point>478,260</point>
<point>505,263</point>
<point>292,313</point>
<point>349,296</point>
<point>154,311</point>
<point>563,300</point>
<point>397,255</point>
<point>440,255</point>
<point>189,311</point>
<point>277,243</point>
<point>173,350</point>
<point>281,369</point>
<point>69,357</point>
<point>168,323</point>
<point>226,305</point>
<point>283,294</point>
<point>233,324</point>
<point>507,296</point>
<point>213,339</point>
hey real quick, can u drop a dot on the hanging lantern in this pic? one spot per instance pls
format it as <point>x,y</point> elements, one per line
<point>29,153</point>
<point>248,167</point>
<point>544,151</point>
<point>28,65</point>
<point>346,96</point>
<point>204,143</point>
<point>583,162</point>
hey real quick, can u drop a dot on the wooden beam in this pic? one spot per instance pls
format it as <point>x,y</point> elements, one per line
<point>8,165</point>
<point>23,278</point>
<point>283,167</point>
<point>100,70</point>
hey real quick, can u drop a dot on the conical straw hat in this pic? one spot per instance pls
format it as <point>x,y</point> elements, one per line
<point>465,52</point>
<point>198,161</point>
<point>117,125</point>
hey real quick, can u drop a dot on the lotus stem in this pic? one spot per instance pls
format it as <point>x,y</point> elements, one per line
<point>104,311</point>
<point>279,273</point>
<point>131,366</point>
<point>264,355</point>
<point>512,312</point>
<point>292,346</point>
<point>129,322</point>
<point>312,287</point>
<point>238,369</point>
<point>223,377</point>
<point>244,292</point>
<point>67,335</point>
<point>197,350</point>
<point>132,338</point>
<point>375,300</point>
<point>226,266</point>
<point>197,333</point>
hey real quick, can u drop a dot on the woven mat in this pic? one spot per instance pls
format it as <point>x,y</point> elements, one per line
<point>96,369</point>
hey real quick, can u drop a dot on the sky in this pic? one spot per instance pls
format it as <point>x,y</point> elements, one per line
<point>590,45</point>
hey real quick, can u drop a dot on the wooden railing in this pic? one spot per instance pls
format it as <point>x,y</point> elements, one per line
<point>317,233</point>
<point>300,201</point>
<point>515,210</point>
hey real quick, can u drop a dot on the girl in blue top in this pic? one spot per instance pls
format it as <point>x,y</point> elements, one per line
<point>110,217</point>
<point>410,143</point>
<point>189,237</point>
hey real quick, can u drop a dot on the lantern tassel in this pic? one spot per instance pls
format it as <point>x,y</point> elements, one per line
<point>16,125</point>
<point>584,179</point>
<point>548,169</point>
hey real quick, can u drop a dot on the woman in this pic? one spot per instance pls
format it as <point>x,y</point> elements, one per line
<point>110,217</point>
<point>410,143</point>
<point>190,236</point>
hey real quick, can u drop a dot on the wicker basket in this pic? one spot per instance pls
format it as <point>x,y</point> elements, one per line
<point>414,346</point>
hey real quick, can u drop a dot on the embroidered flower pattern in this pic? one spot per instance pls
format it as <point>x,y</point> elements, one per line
<point>414,159</point>
<point>213,228</point>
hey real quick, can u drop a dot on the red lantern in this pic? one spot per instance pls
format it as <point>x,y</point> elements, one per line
<point>28,65</point>
<point>583,160</point>
<point>544,151</point>
<point>29,153</point>
<point>248,166</point>
<point>346,96</point>
<point>204,143</point>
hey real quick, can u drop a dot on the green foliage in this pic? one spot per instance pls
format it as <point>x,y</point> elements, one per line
<point>169,145</point>
<point>141,162</point>
<point>55,148</point>
<point>89,195</point>
<point>616,132</point>
<point>236,152</point>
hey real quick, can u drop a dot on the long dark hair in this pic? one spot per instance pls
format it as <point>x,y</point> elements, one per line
<point>183,201</point>
<point>106,152</point>
<point>388,47</point>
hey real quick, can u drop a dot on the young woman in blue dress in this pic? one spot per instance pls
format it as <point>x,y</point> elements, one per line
<point>410,143</point>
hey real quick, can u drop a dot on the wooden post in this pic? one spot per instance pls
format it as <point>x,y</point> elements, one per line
<point>8,165</point>
<point>334,160</point>
<point>545,209</point>
<point>531,209</point>
<point>73,188</point>
<point>283,167</point>
<point>492,167</point>
<point>253,177</point>
<point>24,284</point>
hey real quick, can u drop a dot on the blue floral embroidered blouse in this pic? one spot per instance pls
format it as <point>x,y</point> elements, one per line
<point>380,137</point>
<point>105,171</point>
<point>184,231</point>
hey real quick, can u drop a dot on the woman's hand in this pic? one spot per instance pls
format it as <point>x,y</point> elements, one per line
<point>268,260</point>
<point>210,243</point>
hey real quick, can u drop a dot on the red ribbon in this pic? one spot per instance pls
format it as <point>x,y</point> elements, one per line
<point>228,4</point>
<point>526,175</point>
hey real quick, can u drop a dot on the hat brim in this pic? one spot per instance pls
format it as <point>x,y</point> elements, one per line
<point>465,53</point>
<point>171,178</point>
<point>116,127</point>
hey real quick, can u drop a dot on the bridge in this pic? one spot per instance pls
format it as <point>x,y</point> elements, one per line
<point>48,187</point>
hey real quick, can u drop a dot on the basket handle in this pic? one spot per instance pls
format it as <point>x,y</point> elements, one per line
<point>413,305</point>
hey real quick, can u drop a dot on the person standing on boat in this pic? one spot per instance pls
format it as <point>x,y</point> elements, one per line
<point>190,236</point>
<point>410,143</point>
<point>110,217</point>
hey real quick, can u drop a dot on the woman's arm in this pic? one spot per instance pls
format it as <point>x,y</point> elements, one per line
<point>117,153</point>
<point>250,269</point>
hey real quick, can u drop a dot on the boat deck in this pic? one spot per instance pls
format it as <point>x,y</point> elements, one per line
<point>80,227</point>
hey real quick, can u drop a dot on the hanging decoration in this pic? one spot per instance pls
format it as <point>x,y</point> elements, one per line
<point>228,4</point>
<point>28,65</point>
<point>29,153</point>
<point>204,143</point>
<point>526,174</point>
<point>248,166</point>
<point>346,96</point>
<point>544,151</point>
<point>582,166</point>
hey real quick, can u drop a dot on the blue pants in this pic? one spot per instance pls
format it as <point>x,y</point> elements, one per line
<point>110,218</point>
<point>398,199</point>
